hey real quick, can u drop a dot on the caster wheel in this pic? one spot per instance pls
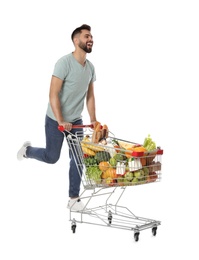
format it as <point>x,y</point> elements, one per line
<point>154,231</point>
<point>73,227</point>
<point>136,236</point>
<point>109,220</point>
<point>110,217</point>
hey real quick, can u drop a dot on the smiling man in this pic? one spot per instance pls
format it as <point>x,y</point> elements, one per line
<point>72,82</point>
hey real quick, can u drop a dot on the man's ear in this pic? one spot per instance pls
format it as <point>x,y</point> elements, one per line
<point>75,40</point>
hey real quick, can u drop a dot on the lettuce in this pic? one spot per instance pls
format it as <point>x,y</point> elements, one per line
<point>94,173</point>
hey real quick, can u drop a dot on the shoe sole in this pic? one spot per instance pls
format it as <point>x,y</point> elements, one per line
<point>20,157</point>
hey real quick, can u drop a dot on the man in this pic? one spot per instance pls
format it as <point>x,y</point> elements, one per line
<point>72,82</point>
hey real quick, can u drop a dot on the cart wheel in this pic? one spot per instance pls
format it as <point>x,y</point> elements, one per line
<point>110,220</point>
<point>110,217</point>
<point>73,227</point>
<point>136,236</point>
<point>154,231</point>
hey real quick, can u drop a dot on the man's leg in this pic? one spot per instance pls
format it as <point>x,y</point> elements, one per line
<point>75,170</point>
<point>54,141</point>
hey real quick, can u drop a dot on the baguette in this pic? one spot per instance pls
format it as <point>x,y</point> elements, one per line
<point>96,136</point>
<point>96,125</point>
<point>104,132</point>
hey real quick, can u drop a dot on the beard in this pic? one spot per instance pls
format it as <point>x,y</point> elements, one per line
<point>84,47</point>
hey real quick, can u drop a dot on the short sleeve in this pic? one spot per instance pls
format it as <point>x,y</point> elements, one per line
<point>92,68</point>
<point>61,68</point>
<point>94,75</point>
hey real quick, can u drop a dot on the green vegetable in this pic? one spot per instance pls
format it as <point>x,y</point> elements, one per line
<point>146,171</point>
<point>90,161</point>
<point>94,173</point>
<point>129,176</point>
<point>138,174</point>
<point>126,181</point>
<point>102,156</point>
<point>135,181</point>
<point>119,157</point>
<point>149,144</point>
<point>113,161</point>
<point>115,142</point>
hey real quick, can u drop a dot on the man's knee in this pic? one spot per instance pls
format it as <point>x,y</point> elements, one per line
<point>52,160</point>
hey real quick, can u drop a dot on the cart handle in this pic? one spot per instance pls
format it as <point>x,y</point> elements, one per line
<point>61,128</point>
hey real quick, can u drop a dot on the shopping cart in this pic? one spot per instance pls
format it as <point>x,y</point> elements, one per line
<point>107,169</point>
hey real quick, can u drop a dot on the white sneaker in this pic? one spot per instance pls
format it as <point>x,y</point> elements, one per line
<point>76,205</point>
<point>22,151</point>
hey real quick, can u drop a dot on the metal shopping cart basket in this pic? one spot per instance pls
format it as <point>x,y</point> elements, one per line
<point>107,169</point>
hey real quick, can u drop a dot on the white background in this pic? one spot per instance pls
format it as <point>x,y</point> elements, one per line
<point>146,57</point>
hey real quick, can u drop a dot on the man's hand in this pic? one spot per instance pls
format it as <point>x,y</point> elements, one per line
<point>95,123</point>
<point>67,126</point>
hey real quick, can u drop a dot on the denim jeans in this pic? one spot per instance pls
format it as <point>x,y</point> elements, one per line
<point>51,154</point>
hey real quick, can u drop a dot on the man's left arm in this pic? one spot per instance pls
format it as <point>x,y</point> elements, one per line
<point>90,102</point>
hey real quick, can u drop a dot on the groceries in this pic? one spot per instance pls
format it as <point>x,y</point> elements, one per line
<point>121,163</point>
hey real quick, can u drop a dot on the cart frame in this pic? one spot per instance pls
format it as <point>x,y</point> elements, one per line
<point>107,214</point>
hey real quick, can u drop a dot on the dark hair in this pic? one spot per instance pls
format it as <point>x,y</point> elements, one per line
<point>79,29</point>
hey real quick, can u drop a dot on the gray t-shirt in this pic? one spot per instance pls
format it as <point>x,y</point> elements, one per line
<point>76,79</point>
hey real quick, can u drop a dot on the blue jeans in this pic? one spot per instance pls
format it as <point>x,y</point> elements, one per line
<point>51,154</point>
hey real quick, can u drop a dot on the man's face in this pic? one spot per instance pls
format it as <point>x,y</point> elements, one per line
<point>85,41</point>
